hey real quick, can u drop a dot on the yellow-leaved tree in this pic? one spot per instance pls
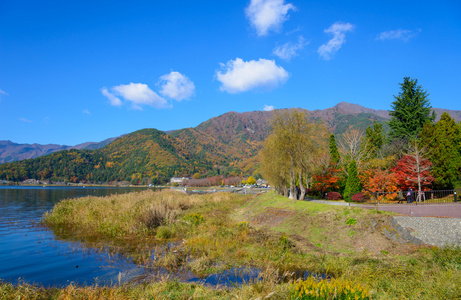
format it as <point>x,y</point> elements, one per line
<point>251,180</point>
<point>290,154</point>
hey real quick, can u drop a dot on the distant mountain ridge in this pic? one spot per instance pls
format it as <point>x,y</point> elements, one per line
<point>10,151</point>
<point>224,145</point>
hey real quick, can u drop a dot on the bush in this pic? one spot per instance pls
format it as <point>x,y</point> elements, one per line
<point>359,197</point>
<point>194,218</point>
<point>329,289</point>
<point>164,233</point>
<point>351,221</point>
<point>333,196</point>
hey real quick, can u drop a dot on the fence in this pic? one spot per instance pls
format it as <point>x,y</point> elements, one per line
<point>414,197</point>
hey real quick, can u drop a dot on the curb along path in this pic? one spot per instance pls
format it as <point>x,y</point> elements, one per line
<point>433,231</point>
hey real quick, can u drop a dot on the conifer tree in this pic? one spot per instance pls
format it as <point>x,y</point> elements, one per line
<point>334,153</point>
<point>410,111</point>
<point>374,139</point>
<point>353,185</point>
<point>444,141</point>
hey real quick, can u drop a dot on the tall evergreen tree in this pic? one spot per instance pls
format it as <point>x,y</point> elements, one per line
<point>410,110</point>
<point>374,139</point>
<point>444,141</point>
<point>353,185</point>
<point>334,153</point>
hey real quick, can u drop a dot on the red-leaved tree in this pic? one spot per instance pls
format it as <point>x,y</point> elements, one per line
<point>412,170</point>
<point>326,179</point>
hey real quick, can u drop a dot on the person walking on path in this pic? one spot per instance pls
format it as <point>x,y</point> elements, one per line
<point>401,198</point>
<point>410,195</point>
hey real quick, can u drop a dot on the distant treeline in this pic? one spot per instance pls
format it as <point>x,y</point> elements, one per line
<point>145,156</point>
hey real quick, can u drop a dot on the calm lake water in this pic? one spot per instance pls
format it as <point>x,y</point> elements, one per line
<point>35,255</point>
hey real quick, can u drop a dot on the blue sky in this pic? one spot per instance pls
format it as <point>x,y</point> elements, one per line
<point>78,71</point>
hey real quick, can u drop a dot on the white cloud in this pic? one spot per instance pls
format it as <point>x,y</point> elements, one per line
<point>25,120</point>
<point>399,34</point>
<point>267,15</point>
<point>338,29</point>
<point>2,92</point>
<point>177,86</point>
<point>240,76</point>
<point>268,107</point>
<point>137,93</point>
<point>86,111</point>
<point>289,50</point>
<point>112,99</point>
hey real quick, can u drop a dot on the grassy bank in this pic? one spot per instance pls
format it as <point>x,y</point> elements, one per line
<point>211,233</point>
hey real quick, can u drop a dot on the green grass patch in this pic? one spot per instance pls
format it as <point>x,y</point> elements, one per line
<point>210,233</point>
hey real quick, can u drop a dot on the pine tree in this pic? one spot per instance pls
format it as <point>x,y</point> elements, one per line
<point>410,111</point>
<point>353,185</point>
<point>334,153</point>
<point>374,139</point>
<point>444,141</point>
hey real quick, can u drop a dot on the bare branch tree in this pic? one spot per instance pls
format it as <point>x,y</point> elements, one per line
<point>421,166</point>
<point>353,145</point>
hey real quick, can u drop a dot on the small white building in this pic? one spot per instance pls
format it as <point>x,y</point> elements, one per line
<point>178,180</point>
<point>261,182</point>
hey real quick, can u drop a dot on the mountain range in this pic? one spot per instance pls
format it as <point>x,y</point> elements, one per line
<point>10,151</point>
<point>224,145</point>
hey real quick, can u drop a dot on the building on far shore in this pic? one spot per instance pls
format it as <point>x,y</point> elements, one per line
<point>261,182</point>
<point>178,180</point>
<point>32,182</point>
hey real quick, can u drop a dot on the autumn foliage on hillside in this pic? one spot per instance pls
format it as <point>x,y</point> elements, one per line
<point>406,172</point>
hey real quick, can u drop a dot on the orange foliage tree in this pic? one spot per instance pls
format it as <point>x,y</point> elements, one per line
<point>377,180</point>
<point>326,179</point>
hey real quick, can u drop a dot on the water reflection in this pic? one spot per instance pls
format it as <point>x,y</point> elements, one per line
<point>58,258</point>
<point>36,255</point>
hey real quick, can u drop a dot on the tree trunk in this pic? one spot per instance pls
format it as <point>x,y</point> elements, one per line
<point>293,191</point>
<point>301,186</point>
<point>308,183</point>
<point>285,191</point>
<point>418,168</point>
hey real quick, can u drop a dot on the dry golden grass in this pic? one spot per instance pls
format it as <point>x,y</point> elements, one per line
<point>211,233</point>
<point>136,213</point>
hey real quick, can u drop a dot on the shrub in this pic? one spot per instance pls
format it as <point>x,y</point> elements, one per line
<point>164,233</point>
<point>243,225</point>
<point>329,289</point>
<point>351,221</point>
<point>284,242</point>
<point>333,196</point>
<point>194,218</point>
<point>359,197</point>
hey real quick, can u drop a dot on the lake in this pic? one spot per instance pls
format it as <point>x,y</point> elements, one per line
<point>33,254</point>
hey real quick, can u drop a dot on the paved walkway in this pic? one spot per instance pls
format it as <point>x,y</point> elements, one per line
<point>437,225</point>
<point>340,203</point>
<point>452,210</point>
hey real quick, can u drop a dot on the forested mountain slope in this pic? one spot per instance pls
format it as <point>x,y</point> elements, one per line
<point>225,145</point>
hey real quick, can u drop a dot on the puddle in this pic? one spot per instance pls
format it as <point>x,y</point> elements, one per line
<point>230,278</point>
<point>233,277</point>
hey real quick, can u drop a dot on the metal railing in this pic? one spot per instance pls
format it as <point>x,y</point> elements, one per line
<point>412,198</point>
